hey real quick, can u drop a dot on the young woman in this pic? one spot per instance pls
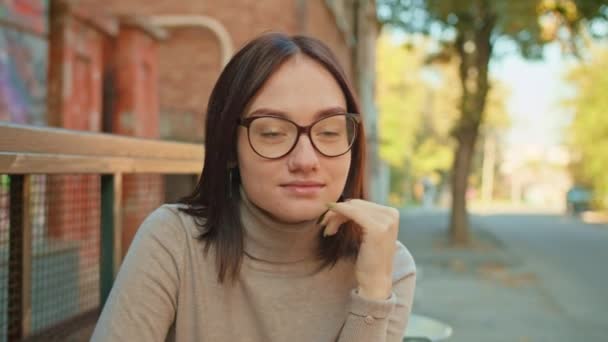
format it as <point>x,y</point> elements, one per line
<point>276,242</point>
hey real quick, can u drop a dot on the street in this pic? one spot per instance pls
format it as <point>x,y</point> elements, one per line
<point>568,255</point>
<point>528,277</point>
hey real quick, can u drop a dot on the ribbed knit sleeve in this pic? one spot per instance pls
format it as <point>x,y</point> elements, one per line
<point>143,300</point>
<point>383,320</point>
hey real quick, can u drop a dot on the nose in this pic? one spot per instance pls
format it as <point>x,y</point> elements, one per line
<point>304,157</point>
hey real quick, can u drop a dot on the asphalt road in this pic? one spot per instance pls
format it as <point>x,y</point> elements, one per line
<point>571,258</point>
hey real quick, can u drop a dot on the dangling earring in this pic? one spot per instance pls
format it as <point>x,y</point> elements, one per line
<point>230,177</point>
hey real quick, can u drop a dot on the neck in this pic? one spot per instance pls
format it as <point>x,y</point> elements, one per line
<point>269,239</point>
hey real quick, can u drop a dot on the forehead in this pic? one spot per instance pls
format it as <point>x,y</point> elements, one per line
<point>300,88</point>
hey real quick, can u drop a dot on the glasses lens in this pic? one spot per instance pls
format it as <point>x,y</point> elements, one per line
<point>334,135</point>
<point>272,137</point>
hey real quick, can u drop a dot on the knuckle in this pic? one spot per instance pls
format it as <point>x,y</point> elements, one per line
<point>394,213</point>
<point>387,225</point>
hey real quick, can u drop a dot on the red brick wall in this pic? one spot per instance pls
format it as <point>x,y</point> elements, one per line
<point>243,18</point>
<point>134,63</point>
<point>189,64</point>
<point>190,60</point>
<point>322,24</point>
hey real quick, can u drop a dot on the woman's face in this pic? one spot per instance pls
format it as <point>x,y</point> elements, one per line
<point>297,186</point>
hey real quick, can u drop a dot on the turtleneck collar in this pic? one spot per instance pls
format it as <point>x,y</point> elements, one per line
<point>270,240</point>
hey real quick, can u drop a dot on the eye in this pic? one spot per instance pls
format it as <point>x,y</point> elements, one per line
<point>272,134</point>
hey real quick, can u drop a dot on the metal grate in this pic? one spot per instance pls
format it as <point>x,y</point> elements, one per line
<point>65,212</point>
<point>141,194</point>
<point>62,234</point>
<point>50,258</point>
<point>49,250</point>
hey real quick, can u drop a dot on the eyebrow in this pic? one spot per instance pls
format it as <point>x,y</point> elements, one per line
<point>319,114</point>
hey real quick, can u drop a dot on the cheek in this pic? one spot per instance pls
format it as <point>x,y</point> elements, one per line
<point>255,172</point>
<point>242,147</point>
<point>337,170</point>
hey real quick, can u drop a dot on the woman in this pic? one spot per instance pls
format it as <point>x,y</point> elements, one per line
<point>262,250</point>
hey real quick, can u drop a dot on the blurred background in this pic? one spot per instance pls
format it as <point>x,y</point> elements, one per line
<point>485,126</point>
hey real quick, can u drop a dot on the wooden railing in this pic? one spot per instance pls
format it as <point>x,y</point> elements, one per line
<point>27,151</point>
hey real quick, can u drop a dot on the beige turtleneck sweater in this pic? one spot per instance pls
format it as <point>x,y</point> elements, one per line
<point>167,289</point>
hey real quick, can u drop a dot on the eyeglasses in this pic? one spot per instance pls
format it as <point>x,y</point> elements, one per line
<point>274,137</point>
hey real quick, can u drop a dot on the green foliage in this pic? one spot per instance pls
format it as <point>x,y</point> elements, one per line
<point>589,129</point>
<point>469,29</point>
<point>399,95</point>
<point>528,23</point>
<point>417,113</point>
<point>414,139</point>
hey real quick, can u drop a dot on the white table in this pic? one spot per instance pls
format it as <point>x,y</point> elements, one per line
<point>422,328</point>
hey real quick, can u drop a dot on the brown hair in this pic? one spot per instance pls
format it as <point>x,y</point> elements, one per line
<point>214,203</point>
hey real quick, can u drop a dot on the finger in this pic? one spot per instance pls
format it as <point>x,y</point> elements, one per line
<point>322,217</point>
<point>353,211</point>
<point>332,215</point>
<point>333,225</point>
<point>327,216</point>
<point>370,205</point>
<point>367,214</point>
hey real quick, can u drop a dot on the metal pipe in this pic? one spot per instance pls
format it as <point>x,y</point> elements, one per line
<point>201,21</point>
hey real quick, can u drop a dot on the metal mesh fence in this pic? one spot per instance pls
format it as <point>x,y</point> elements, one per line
<point>50,230</point>
<point>65,211</point>
<point>141,194</point>
<point>59,218</point>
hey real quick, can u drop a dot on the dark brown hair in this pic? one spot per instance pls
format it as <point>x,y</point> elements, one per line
<point>214,203</point>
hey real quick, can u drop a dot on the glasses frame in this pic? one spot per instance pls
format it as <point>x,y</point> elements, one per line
<point>246,122</point>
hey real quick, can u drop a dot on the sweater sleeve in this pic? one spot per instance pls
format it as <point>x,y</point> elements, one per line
<point>383,320</point>
<point>143,300</point>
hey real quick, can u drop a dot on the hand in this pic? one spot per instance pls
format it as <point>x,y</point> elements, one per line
<point>380,225</point>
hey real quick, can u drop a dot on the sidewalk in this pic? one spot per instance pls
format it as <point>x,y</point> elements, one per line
<point>484,293</point>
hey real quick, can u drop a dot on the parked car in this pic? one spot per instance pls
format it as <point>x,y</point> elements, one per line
<point>578,200</point>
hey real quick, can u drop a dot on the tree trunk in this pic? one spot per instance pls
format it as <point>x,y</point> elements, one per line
<point>459,224</point>
<point>474,48</point>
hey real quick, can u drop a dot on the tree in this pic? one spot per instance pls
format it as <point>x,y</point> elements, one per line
<point>589,129</point>
<point>416,113</point>
<point>412,139</point>
<point>468,31</point>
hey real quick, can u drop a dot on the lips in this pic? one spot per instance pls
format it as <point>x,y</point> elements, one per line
<point>303,188</point>
<point>304,184</point>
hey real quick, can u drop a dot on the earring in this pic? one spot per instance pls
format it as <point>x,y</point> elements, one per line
<point>230,171</point>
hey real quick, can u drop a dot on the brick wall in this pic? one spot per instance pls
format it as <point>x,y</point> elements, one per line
<point>190,60</point>
<point>321,24</point>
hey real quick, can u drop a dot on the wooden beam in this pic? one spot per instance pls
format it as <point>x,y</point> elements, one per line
<point>20,259</point>
<point>27,256</point>
<point>117,229</point>
<point>36,163</point>
<point>111,233</point>
<point>107,238</point>
<point>32,139</point>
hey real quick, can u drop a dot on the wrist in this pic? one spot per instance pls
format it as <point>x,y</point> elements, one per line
<point>376,291</point>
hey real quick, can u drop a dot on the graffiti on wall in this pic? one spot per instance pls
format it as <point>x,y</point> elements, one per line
<point>23,61</point>
<point>30,14</point>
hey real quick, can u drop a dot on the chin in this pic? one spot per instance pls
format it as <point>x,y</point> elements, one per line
<point>300,211</point>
